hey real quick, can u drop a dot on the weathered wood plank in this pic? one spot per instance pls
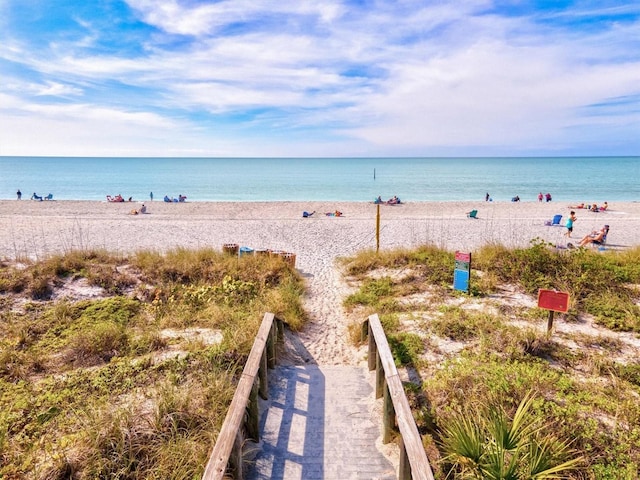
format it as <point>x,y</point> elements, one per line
<point>253,414</point>
<point>373,350</point>
<point>416,464</point>
<point>222,450</point>
<point>420,468</point>
<point>263,376</point>
<point>382,346</point>
<point>388,415</point>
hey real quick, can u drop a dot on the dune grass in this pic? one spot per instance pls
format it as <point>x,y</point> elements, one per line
<point>133,381</point>
<point>475,355</point>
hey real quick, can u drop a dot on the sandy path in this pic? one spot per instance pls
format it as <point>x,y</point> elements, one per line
<point>36,229</point>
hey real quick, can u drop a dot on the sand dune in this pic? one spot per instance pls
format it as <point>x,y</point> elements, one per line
<point>37,229</point>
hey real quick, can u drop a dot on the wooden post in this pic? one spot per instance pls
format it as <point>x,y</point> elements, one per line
<point>262,375</point>
<point>271,348</point>
<point>378,230</point>
<point>388,416</point>
<point>235,459</point>
<point>280,327</point>
<point>364,331</point>
<point>379,376</point>
<point>550,323</point>
<point>404,469</point>
<point>373,350</point>
<point>253,414</point>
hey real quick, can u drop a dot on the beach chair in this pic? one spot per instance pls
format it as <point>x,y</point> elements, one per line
<point>472,214</point>
<point>555,222</point>
<point>600,244</point>
<point>49,197</point>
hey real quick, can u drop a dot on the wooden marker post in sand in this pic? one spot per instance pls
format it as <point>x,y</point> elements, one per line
<point>554,301</point>
<point>378,230</point>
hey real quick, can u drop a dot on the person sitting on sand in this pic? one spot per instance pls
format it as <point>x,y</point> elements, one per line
<point>393,201</point>
<point>181,198</point>
<point>167,199</point>
<point>378,200</point>
<point>143,208</point>
<point>597,236</point>
<point>36,197</point>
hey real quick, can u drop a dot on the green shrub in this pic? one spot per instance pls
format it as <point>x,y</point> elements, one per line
<point>406,348</point>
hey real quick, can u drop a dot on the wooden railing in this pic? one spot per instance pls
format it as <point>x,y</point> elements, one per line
<point>395,411</point>
<point>243,414</point>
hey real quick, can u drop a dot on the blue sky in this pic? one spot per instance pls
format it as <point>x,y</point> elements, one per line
<point>329,78</point>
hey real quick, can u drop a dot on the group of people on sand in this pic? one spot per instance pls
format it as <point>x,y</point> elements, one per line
<point>181,198</point>
<point>594,207</point>
<point>596,236</point>
<point>516,198</point>
<point>35,196</point>
<point>136,211</point>
<point>546,197</point>
<point>392,201</point>
<point>118,198</point>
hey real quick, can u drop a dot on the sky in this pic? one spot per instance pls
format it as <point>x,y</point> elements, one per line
<point>281,78</point>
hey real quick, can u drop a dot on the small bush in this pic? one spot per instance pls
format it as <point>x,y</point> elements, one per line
<point>406,348</point>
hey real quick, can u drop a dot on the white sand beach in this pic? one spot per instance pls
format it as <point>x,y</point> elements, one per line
<point>37,229</point>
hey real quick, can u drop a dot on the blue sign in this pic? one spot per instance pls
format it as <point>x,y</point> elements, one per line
<point>461,280</point>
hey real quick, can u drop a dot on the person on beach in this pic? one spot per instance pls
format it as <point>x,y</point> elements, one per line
<point>572,218</point>
<point>597,236</point>
<point>151,196</point>
<point>143,208</point>
<point>548,197</point>
<point>486,197</point>
<point>540,196</point>
<point>19,194</point>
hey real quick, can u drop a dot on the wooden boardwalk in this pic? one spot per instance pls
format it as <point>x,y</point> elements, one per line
<point>318,424</point>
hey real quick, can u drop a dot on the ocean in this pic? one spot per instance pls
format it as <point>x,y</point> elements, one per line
<point>588,179</point>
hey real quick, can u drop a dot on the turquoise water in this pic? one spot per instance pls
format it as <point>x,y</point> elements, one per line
<point>589,179</point>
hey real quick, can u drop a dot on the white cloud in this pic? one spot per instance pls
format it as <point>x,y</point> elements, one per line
<point>420,76</point>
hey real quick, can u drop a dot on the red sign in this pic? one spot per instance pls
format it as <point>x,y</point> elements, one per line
<point>553,300</point>
<point>463,257</point>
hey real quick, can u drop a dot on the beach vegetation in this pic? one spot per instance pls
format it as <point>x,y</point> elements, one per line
<point>123,366</point>
<point>486,364</point>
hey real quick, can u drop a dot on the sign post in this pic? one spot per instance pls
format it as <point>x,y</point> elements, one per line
<point>377,223</point>
<point>462,271</point>
<point>554,301</point>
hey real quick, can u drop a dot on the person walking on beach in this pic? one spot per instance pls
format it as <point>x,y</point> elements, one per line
<point>151,196</point>
<point>540,196</point>
<point>572,218</point>
<point>486,197</point>
<point>19,194</point>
